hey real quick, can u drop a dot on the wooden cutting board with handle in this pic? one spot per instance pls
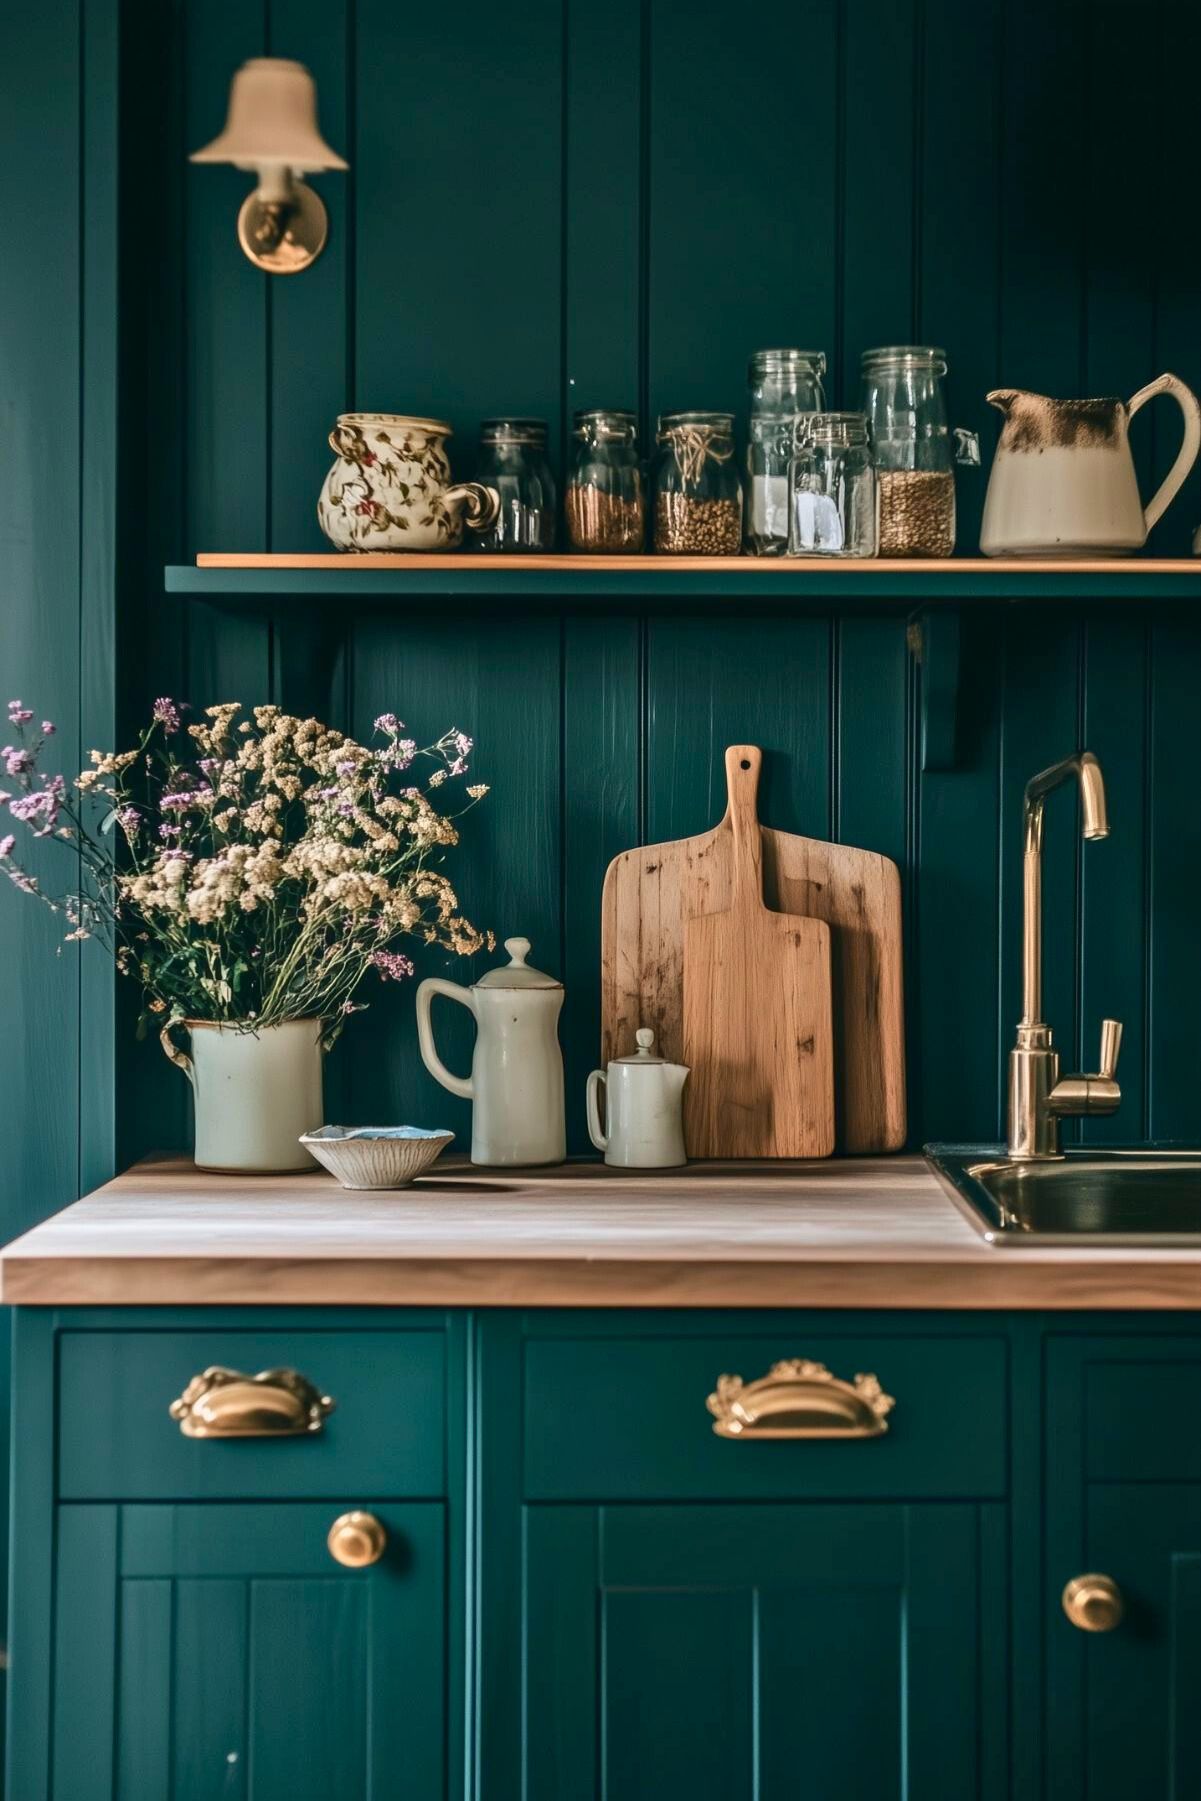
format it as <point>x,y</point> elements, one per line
<point>758,1036</point>
<point>649,895</point>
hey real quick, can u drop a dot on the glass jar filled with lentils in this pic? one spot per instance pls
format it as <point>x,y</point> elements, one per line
<point>914,452</point>
<point>698,495</point>
<point>605,502</point>
<point>513,460</point>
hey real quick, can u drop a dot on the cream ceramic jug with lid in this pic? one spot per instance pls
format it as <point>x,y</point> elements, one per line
<point>1063,481</point>
<point>516,1081</point>
<point>644,1108</point>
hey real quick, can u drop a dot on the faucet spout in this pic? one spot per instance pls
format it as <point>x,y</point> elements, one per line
<point>1094,824</point>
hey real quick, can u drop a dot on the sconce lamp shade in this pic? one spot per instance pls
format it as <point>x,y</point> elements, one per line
<point>272,122</point>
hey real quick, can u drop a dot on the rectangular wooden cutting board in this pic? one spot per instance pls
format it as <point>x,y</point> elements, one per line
<point>651,893</point>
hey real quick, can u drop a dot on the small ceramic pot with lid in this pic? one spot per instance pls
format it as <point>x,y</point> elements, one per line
<point>516,1080</point>
<point>644,1107</point>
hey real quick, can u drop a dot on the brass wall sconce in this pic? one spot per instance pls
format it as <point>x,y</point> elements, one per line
<point>272,130</point>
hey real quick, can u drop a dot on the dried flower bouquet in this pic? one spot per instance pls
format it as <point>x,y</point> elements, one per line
<point>251,870</point>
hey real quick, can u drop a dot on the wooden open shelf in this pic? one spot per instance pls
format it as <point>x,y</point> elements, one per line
<point>375,575</point>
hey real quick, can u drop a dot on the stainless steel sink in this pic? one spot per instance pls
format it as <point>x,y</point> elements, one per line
<point>1141,1196</point>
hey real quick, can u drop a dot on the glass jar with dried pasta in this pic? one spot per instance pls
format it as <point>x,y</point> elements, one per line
<point>698,496</point>
<point>605,503</point>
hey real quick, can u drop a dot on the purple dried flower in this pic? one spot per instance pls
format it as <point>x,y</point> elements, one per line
<point>388,722</point>
<point>41,806</point>
<point>166,714</point>
<point>17,760</point>
<point>345,768</point>
<point>6,845</point>
<point>129,819</point>
<point>393,966</point>
<point>48,728</point>
<point>17,714</point>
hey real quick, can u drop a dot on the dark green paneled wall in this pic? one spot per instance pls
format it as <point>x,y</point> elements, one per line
<point>559,205</point>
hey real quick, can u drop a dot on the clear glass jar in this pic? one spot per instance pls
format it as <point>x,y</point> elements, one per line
<point>832,488</point>
<point>915,453</point>
<point>698,496</point>
<point>605,502</point>
<point>512,460</point>
<point>784,385</point>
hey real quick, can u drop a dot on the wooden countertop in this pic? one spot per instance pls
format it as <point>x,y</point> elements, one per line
<point>870,1232</point>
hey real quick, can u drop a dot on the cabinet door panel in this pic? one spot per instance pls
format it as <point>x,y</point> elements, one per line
<point>761,1652</point>
<point>251,1666</point>
<point>1124,1450</point>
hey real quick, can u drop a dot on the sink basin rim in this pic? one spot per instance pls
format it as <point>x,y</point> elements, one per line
<point>963,1170</point>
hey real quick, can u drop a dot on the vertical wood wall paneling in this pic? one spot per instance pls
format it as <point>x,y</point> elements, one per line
<point>458,225</point>
<point>748,679</point>
<point>1174,792</point>
<point>226,316</point>
<point>458,314</point>
<point>1171,175</point>
<point>99,348</point>
<point>957,220</point>
<point>1113,874</point>
<point>954,986</point>
<point>598,226</point>
<point>602,302</point>
<point>1119,321</point>
<point>879,114</point>
<point>41,51</point>
<point>600,819</point>
<point>497,679</point>
<point>309,374</point>
<point>742,243</point>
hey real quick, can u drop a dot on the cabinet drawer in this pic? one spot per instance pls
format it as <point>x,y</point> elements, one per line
<point>385,1435</point>
<point>625,1419</point>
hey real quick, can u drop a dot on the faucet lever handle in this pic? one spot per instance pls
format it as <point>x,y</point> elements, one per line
<point>1111,1045</point>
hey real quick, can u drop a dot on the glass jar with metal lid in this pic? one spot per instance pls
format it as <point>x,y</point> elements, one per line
<point>698,496</point>
<point>832,488</point>
<point>605,502</point>
<point>784,385</point>
<point>513,460</point>
<point>915,453</point>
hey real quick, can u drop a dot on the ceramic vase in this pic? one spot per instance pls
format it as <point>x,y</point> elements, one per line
<point>390,488</point>
<point>255,1093</point>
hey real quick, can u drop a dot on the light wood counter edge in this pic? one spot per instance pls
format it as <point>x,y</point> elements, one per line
<point>1099,1280</point>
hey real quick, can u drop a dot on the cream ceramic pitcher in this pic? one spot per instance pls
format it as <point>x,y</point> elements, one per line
<point>644,1109</point>
<point>1063,481</point>
<point>516,1081</point>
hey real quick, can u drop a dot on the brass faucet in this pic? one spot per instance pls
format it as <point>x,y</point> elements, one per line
<point>1038,1096</point>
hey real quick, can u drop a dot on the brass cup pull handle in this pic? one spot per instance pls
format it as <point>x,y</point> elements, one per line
<point>356,1540</point>
<point>799,1399</point>
<point>1093,1603</point>
<point>224,1403</point>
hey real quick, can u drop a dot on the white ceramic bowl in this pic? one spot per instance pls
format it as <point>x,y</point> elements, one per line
<point>376,1156</point>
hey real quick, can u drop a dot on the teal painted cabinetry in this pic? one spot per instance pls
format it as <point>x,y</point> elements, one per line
<point>206,1651</point>
<point>722,1653</point>
<point>588,1596</point>
<point>1124,1498</point>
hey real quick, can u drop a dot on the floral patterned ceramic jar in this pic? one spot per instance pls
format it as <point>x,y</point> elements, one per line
<point>390,488</point>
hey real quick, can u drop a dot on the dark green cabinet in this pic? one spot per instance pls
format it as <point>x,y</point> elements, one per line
<point>1124,1499</point>
<point>754,1653</point>
<point>218,1650</point>
<point>587,1595</point>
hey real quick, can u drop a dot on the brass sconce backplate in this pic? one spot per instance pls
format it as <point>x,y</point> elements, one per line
<point>284,237</point>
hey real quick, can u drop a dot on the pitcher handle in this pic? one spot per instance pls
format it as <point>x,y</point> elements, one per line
<point>433,985</point>
<point>596,1081</point>
<point>481,504</point>
<point>1190,406</point>
<point>176,1055</point>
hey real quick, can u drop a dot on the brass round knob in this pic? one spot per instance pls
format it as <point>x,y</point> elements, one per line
<point>1093,1603</point>
<point>356,1540</point>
